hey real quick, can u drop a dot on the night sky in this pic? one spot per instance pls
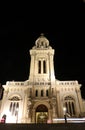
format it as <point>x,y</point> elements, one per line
<point>64,26</point>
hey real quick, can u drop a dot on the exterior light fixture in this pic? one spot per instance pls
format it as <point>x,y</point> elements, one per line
<point>64,110</point>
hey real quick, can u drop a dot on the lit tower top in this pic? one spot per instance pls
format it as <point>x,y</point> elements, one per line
<point>42,64</point>
<point>42,42</point>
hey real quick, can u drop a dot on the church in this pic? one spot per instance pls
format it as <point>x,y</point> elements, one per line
<point>41,98</point>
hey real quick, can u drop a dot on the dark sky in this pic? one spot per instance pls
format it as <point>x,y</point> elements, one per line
<point>61,22</point>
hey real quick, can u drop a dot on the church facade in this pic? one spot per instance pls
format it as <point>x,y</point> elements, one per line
<point>41,98</point>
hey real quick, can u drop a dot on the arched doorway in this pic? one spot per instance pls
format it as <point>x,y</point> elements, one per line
<point>41,114</point>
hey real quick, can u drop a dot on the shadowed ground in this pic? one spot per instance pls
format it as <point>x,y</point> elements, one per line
<point>59,126</point>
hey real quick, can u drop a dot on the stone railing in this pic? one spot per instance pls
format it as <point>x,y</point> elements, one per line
<point>67,82</point>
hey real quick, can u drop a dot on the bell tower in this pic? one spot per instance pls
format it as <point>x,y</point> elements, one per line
<point>42,65</point>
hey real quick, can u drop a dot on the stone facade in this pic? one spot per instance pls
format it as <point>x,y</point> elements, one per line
<point>41,98</point>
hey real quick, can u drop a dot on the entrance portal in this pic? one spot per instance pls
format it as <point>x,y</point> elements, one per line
<point>41,114</point>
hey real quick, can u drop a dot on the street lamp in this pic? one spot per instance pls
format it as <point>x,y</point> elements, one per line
<point>64,109</point>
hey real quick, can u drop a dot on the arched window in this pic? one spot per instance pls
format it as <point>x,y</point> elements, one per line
<point>73,108</point>
<point>44,66</point>
<point>69,103</point>
<point>14,105</point>
<point>36,93</point>
<point>46,92</point>
<point>39,66</point>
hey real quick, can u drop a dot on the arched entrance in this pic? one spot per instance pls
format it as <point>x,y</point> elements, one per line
<point>41,114</point>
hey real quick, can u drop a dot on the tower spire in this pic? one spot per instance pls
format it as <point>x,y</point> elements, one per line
<point>42,34</point>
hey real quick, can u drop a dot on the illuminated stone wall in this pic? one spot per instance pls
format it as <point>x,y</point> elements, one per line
<point>41,98</point>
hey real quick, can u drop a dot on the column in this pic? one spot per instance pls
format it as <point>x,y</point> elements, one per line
<point>33,116</point>
<point>25,114</point>
<point>79,100</point>
<point>51,67</point>
<point>32,67</point>
<point>58,104</point>
<point>41,66</point>
<point>50,116</point>
<point>3,101</point>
